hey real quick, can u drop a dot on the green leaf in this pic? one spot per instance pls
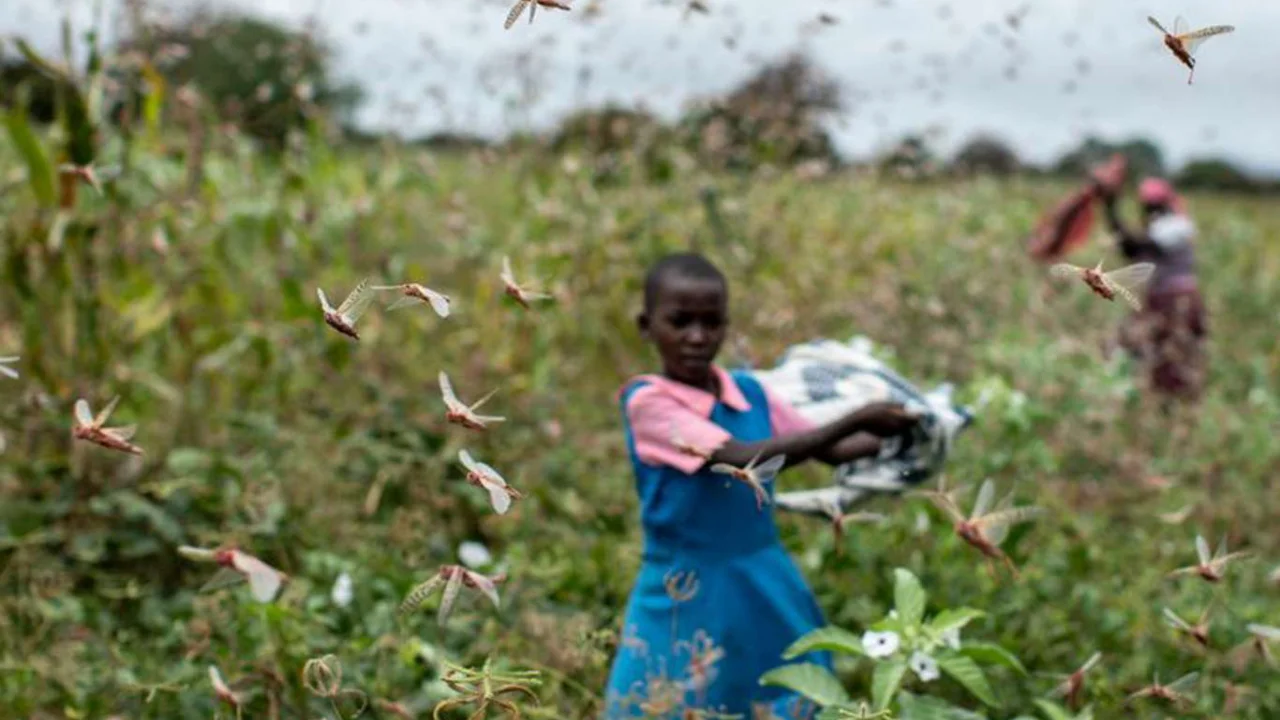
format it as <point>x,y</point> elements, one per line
<point>37,61</point>
<point>829,638</point>
<point>908,597</point>
<point>39,167</point>
<point>81,136</point>
<point>835,712</point>
<point>220,358</point>
<point>954,619</point>
<point>188,461</point>
<point>966,672</point>
<point>812,681</point>
<point>154,102</point>
<point>888,623</point>
<point>989,654</point>
<point>911,707</point>
<point>148,314</point>
<point>924,707</point>
<point>89,547</point>
<point>136,507</point>
<point>885,682</point>
<point>158,385</point>
<point>1052,711</point>
<point>96,77</point>
<point>58,230</point>
<point>82,145</point>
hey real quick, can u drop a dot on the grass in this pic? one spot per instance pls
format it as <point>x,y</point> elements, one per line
<point>265,428</point>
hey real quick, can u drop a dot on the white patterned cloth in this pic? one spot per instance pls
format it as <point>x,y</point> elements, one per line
<point>1171,230</point>
<point>826,379</point>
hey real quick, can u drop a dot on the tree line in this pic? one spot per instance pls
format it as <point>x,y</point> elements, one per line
<point>266,79</point>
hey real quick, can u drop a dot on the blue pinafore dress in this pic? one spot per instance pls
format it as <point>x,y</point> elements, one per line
<point>716,587</point>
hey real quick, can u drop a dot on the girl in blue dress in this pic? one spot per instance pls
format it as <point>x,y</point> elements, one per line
<point>718,598</point>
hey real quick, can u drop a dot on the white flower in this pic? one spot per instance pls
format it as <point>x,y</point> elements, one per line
<point>342,591</point>
<point>925,667</point>
<point>951,638</point>
<point>880,644</point>
<point>474,555</point>
<point>922,522</point>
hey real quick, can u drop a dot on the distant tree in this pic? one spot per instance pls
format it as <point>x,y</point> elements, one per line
<point>1090,152</point>
<point>263,77</point>
<point>453,141</point>
<point>1144,156</point>
<point>986,154</point>
<point>774,117</point>
<point>1216,174</point>
<point>609,129</point>
<point>911,157</point>
<point>617,138</point>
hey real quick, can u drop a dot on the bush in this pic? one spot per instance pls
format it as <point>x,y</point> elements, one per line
<point>985,154</point>
<point>1144,157</point>
<point>1216,174</point>
<point>773,118</point>
<point>267,79</point>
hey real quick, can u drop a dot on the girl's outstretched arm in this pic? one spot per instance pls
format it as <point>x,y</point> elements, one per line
<point>849,449</point>
<point>827,442</point>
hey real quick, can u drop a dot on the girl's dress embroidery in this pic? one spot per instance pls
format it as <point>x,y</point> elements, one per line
<point>718,598</point>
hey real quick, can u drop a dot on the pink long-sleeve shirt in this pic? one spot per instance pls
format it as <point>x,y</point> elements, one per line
<point>665,406</point>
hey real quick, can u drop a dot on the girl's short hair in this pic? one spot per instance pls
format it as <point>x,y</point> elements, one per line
<point>689,265</point>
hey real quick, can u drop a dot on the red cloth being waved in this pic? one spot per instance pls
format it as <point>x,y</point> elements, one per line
<point>1068,225</point>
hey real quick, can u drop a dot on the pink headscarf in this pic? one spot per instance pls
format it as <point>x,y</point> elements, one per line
<point>1155,191</point>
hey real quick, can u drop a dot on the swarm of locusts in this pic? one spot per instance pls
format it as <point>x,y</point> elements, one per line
<point>984,528</point>
<point>266,582</point>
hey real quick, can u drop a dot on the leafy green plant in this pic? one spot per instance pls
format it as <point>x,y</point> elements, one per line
<point>1053,711</point>
<point>905,648</point>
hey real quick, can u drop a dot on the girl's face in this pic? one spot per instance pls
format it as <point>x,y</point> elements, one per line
<point>687,323</point>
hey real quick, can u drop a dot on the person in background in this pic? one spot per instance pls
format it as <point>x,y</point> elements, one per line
<point>1168,334</point>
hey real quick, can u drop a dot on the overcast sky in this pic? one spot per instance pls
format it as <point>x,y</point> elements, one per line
<point>1081,65</point>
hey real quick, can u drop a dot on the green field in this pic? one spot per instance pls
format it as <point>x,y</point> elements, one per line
<point>264,428</point>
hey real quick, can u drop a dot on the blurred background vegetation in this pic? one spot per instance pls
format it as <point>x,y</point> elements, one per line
<point>234,185</point>
<point>251,71</point>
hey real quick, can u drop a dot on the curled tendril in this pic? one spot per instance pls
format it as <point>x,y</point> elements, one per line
<point>484,687</point>
<point>394,708</point>
<point>322,677</point>
<point>681,586</point>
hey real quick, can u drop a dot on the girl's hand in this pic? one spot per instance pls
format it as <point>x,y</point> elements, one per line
<point>886,419</point>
